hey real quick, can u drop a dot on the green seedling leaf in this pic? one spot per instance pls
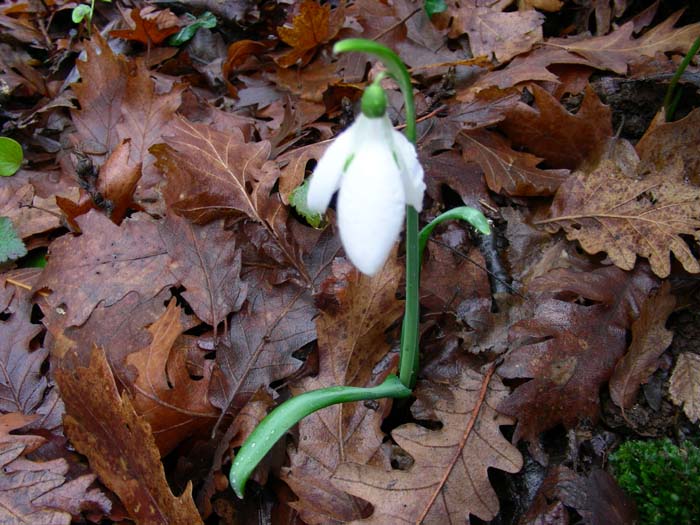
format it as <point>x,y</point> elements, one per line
<point>207,20</point>
<point>433,7</point>
<point>11,156</point>
<point>80,13</point>
<point>11,246</point>
<point>298,201</point>
<point>35,259</point>
<point>463,213</point>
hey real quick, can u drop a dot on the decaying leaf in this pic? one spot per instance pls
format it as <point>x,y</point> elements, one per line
<point>502,35</point>
<point>563,139</point>
<point>121,449</point>
<point>610,210</point>
<point>664,142</point>
<point>685,384</point>
<point>22,385</point>
<point>313,26</point>
<point>616,50</point>
<point>513,172</point>
<point>206,261</point>
<point>448,478</point>
<point>356,310</point>
<point>649,340</point>
<point>568,349</point>
<point>150,29</point>
<point>164,394</point>
<point>104,264</point>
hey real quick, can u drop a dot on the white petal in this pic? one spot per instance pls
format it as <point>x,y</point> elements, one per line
<point>411,170</point>
<point>371,207</point>
<point>325,179</point>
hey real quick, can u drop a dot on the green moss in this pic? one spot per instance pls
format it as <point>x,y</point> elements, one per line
<point>663,479</point>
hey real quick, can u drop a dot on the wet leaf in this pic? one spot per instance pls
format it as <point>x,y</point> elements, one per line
<point>649,340</point>
<point>121,449</point>
<point>568,350</point>
<point>685,385</point>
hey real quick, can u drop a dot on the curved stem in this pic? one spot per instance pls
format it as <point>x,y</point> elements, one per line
<point>463,213</point>
<point>670,102</point>
<point>289,413</point>
<point>408,367</point>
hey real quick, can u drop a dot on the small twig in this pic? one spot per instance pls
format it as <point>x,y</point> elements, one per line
<point>489,272</point>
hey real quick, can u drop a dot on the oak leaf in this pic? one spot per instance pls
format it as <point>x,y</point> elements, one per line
<point>506,170</point>
<point>104,264</point>
<point>684,385</point>
<point>211,175</point>
<point>448,478</point>
<point>274,322</point>
<point>100,93</point>
<point>616,50</point>
<point>313,26</point>
<point>649,340</point>
<point>610,210</point>
<point>568,350</point>
<point>206,261</point>
<point>119,444</point>
<point>150,29</point>
<point>664,142</point>
<point>40,492</point>
<point>164,394</point>
<point>491,33</point>
<point>563,139</point>
<point>356,311</point>
<point>22,384</point>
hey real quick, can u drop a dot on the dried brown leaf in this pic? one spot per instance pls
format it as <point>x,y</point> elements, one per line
<point>104,264</point>
<point>568,349</point>
<point>649,340</point>
<point>206,261</point>
<point>492,33</point>
<point>664,142</point>
<point>610,210</point>
<point>36,492</point>
<point>563,139</point>
<point>684,386</point>
<point>616,50</point>
<point>313,26</point>
<point>448,478</point>
<point>151,29</point>
<point>512,172</point>
<point>22,384</point>
<point>119,444</point>
<point>356,311</point>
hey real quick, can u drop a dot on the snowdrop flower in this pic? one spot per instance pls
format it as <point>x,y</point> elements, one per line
<point>376,170</point>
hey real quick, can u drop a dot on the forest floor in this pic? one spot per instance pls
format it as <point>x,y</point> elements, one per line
<point>162,286</point>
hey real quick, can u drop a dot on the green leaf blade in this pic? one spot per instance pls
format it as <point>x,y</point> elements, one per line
<point>11,156</point>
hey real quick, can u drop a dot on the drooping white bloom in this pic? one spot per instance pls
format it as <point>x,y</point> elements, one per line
<point>377,172</point>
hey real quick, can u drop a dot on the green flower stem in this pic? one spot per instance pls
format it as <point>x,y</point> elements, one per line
<point>464,213</point>
<point>671,101</point>
<point>408,367</point>
<point>289,413</point>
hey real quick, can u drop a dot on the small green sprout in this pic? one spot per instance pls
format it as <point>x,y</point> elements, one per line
<point>83,11</point>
